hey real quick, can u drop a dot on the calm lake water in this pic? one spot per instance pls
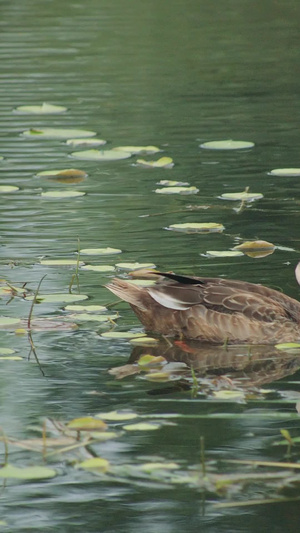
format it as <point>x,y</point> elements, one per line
<point>174,75</point>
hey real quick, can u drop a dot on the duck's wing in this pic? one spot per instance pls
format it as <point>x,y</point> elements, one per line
<point>225,296</point>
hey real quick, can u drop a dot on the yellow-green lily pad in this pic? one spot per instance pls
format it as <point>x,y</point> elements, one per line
<point>142,282</point>
<point>163,162</point>
<point>8,321</point>
<point>229,395</point>
<point>249,246</point>
<point>62,194</point>
<point>134,266</point>
<point>56,133</point>
<point>134,150</point>
<point>44,109</point>
<point>121,335</point>
<point>99,268</point>
<point>87,308</point>
<point>117,416</point>
<point>242,196</point>
<point>59,297</point>
<point>142,426</point>
<point>150,361</point>
<point>86,317</point>
<point>100,155</point>
<point>31,472</point>
<point>10,358</point>
<point>285,172</point>
<point>96,464</point>
<point>87,423</point>
<point>288,346</point>
<point>197,227</point>
<point>177,190</point>
<point>100,251</point>
<point>226,253</point>
<point>173,183</point>
<point>85,142</point>
<point>144,341</point>
<point>64,173</point>
<point>228,144</point>
<point>60,262</point>
<point>152,467</point>
<point>6,351</point>
<point>8,188</point>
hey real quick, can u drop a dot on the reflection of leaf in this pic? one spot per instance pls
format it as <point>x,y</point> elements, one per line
<point>31,472</point>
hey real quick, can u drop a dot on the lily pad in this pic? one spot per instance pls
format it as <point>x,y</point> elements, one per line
<point>31,472</point>
<point>226,253</point>
<point>249,246</point>
<point>85,142</point>
<point>150,361</point>
<point>56,133</point>
<point>6,351</point>
<point>134,150</point>
<point>8,321</point>
<point>8,188</point>
<point>228,144</point>
<point>177,190</point>
<point>144,341</point>
<point>62,262</point>
<point>62,194</point>
<point>86,317</point>
<point>64,173</point>
<point>134,266</point>
<point>197,227</point>
<point>59,297</point>
<point>99,268</point>
<point>87,308</point>
<point>163,162</point>
<point>118,415</point>
<point>100,155</point>
<point>10,358</point>
<point>229,395</point>
<point>173,183</point>
<point>44,109</point>
<point>87,423</point>
<point>121,335</point>
<point>142,282</point>
<point>242,196</point>
<point>100,251</point>
<point>288,346</point>
<point>152,467</point>
<point>285,172</point>
<point>96,464</point>
<point>142,426</point>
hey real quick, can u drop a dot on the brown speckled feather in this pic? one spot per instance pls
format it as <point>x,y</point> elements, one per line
<point>213,309</point>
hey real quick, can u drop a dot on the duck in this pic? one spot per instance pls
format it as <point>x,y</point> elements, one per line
<point>212,310</point>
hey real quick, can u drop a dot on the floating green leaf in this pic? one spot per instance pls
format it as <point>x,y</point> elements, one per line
<point>10,358</point>
<point>144,341</point>
<point>285,172</point>
<point>256,249</point>
<point>8,188</point>
<point>226,253</point>
<point>31,472</point>
<point>64,173</point>
<point>177,190</point>
<point>228,144</point>
<point>134,150</point>
<point>56,133</point>
<point>44,109</point>
<point>6,351</point>
<point>150,361</point>
<point>96,464</point>
<point>62,262</point>
<point>8,321</point>
<point>134,266</point>
<point>152,467</point>
<point>85,142</point>
<point>197,227</point>
<point>100,155</point>
<point>99,268</point>
<point>163,162</point>
<point>173,183</point>
<point>118,415</point>
<point>288,346</point>
<point>62,194</point>
<point>142,426</point>
<point>242,196</point>
<point>142,282</point>
<point>100,251</point>
<point>87,423</point>
<point>86,317</point>
<point>88,308</point>
<point>158,377</point>
<point>229,395</point>
<point>121,335</point>
<point>59,297</point>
